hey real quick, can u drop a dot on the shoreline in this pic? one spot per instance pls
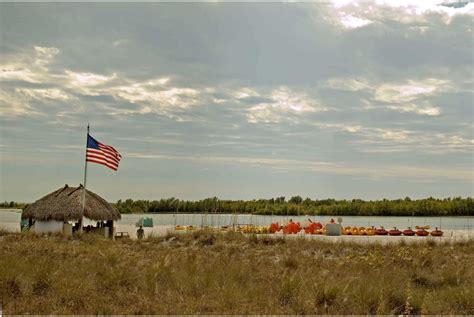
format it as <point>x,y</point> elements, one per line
<point>450,236</point>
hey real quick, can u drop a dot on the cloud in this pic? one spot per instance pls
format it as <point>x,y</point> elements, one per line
<point>13,104</point>
<point>428,6</point>
<point>44,94</point>
<point>374,171</point>
<point>44,56</point>
<point>354,14</point>
<point>10,72</point>
<point>245,93</point>
<point>28,66</point>
<point>349,84</point>
<point>88,79</point>
<point>422,109</point>
<point>285,105</point>
<point>411,90</point>
<point>375,89</point>
<point>352,22</point>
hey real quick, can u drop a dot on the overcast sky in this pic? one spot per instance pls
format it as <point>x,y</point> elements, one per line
<point>240,101</point>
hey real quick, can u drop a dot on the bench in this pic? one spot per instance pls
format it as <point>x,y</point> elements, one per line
<point>122,235</point>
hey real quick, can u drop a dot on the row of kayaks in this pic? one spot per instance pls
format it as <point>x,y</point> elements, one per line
<point>318,228</point>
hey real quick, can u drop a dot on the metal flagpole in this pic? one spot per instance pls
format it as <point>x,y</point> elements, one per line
<point>84,188</point>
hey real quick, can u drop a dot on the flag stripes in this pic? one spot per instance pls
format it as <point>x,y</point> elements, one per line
<point>100,153</point>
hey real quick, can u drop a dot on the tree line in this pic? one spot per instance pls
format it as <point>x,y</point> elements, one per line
<point>13,204</point>
<point>296,205</point>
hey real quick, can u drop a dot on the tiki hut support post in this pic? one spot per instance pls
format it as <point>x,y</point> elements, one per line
<point>85,181</point>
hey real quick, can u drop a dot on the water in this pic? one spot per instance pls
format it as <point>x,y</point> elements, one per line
<point>10,219</point>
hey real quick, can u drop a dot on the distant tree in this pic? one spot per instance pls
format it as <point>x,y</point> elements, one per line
<point>296,200</point>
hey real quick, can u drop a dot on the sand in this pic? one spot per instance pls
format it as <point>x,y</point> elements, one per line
<point>449,236</point>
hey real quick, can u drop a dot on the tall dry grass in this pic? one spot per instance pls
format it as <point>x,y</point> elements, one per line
<point>210,273</point>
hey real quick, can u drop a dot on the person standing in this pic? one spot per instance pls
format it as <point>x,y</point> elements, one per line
<point>140,233</point>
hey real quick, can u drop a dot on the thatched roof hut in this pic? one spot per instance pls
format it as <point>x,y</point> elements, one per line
<point>65,204</point>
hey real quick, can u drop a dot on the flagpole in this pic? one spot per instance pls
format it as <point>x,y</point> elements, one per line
<point>84,189</point>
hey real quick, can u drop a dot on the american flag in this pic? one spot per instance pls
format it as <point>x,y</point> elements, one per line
<point>101,153</point>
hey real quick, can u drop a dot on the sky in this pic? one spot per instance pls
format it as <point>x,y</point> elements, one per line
<point>339,99</point>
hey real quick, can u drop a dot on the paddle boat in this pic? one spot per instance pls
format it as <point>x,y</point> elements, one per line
<point>422,233</point>
<point>319,231</point>
<point>292,227</point>
<point>381,231</point>
<point>422,227</point>
<point>436,232</point>
<point>312,227</point>
<point>370,231</point>
<point>408,232</point>
<point>394,232</point>
<point>355,231</point>
<point>362,231</point>
<point>347,231</point>
<point>179,228</point>
<point>274,227</point>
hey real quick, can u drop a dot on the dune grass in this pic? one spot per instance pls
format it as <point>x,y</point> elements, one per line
<point>210,273</point>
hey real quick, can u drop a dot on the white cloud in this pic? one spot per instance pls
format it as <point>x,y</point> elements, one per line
<point>350,21</point>
<point>173,97</point>
<point>349,84</point>
<point>410,90</point>
<point>31,67</point>
<point>13,104</point>
<point>42,94</point>
<point>423,109</point>
<point>88,79</point>
<point>286,105</point>
<point>368,133</point>
<point>45,55</point>
<point>426,6</point>
<point>378,171</point>
<point>354,14</point>
<point>245,92</point>
<point>18,72</point>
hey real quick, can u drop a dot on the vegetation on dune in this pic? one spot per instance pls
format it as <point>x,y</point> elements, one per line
<point>210,273</point>
<point>298,206</point>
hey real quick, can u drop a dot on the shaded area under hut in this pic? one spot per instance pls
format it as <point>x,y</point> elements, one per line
<point>61,211</point>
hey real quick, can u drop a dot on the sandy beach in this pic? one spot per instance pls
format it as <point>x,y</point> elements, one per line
<point>449,236</point>
<point>162,230</point>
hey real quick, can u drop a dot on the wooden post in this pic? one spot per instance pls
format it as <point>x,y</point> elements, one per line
<point>84,187</point>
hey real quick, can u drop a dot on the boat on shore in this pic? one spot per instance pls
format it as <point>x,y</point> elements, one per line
<point>422,227</point>
<point>394,232</point>
<point>437,233</point>
<point>381,231</point>
<point>408,232</point>
<point>422,233</point>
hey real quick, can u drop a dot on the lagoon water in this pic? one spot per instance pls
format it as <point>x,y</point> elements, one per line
<point>10,220</point>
